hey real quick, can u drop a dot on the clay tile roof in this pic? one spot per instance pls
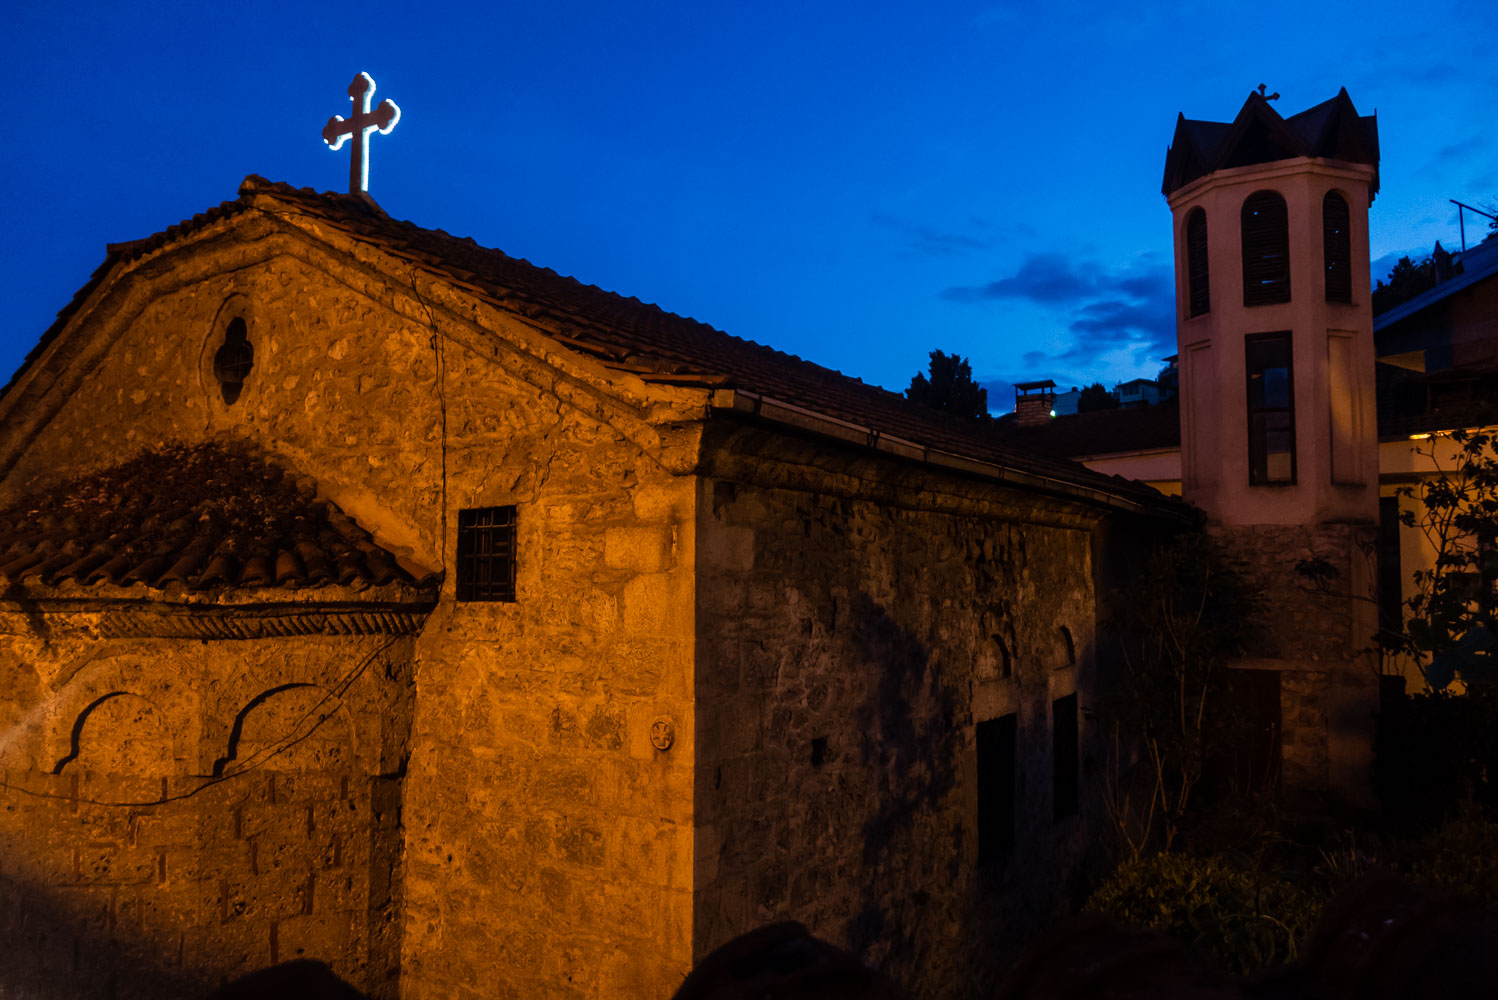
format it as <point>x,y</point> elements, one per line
<point>1104,432</point>
<point>632,336</point>
<point>205,517</point>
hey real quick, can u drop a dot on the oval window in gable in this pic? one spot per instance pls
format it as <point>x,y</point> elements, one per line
<point>233,360</point>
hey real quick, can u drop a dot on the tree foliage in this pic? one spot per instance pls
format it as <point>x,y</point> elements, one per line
<point>1407,279</point>
<point>950,387</point>
<point>1095,397</point>
<point>1453,614</point>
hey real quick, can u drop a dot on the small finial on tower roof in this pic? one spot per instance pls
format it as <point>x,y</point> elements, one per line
<point>1268,97</point>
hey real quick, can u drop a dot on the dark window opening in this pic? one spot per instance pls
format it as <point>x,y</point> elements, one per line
<point>1266,249</point>
<point>1336,246</point>
<point>486,554</point>
<point>1006,665</point>
<point>1390,574</point>
<point>1065,756</point>
<point>1069,646</point>
<point>233,360</point>
<point>818,751</point>
<point>1271,409</point>
<point>996,787</point>
<point>1198,280</point>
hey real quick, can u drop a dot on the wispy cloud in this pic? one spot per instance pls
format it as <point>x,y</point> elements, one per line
<point>934,241</point>
<point>1108,308</point>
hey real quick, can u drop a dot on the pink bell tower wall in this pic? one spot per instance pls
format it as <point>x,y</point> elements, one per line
<point>1306,544</point>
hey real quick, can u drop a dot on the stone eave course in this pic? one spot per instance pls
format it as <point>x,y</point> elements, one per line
<point>252,615</point>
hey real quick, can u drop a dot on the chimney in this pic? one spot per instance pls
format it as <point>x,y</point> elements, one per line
<point>1442,261</point>
<point>1033,402</point>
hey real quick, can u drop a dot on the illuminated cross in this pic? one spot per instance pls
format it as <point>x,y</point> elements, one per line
<point>337,130</point>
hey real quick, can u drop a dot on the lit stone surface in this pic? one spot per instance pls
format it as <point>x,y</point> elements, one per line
<point>484,813</point>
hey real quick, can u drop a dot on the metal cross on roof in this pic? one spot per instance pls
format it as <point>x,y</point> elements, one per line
<point>338,130</point>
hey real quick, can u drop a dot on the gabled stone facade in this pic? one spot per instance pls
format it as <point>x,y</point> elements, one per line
<point>751,640</point>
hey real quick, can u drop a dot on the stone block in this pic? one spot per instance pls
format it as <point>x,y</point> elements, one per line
<point>729,549</point>
<point>647,603</point>
<point>110,863</point>
<point>325,936</point>
<point>641,549</point>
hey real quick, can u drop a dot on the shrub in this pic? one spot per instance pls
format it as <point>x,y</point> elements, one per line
<point>1243,920</point>
<point>1432,753</point>
<point>1460,857</point>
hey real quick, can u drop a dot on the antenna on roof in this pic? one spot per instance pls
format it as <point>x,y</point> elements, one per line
<point>1462,207</point>
<point>1268,97</point>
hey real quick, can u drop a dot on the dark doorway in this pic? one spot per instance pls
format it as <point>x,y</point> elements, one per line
<point>996,787</point>
<point>1250,758</point>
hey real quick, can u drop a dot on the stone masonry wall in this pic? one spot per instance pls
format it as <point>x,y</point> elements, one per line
<point>1315,625</point>
<point>547,842</point>
<point>854,624</point>
<point>128,870</point>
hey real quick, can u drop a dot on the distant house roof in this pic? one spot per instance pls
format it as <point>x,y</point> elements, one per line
<point>1477,263</point>
<point>1332,129</point>
<point>205,518</point>
<point>1102,432</point>
<point>636,337</point>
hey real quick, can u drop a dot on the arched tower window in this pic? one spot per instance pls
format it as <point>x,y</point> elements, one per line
<point>1198,284</point>
<point>1266,249</point>
<point>1336,245</point>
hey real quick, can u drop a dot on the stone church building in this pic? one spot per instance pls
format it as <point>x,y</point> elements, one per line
<point>377,598</point>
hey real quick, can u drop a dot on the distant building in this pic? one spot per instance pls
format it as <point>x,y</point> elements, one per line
<point>1066,402</point>
<point>1137,392</point>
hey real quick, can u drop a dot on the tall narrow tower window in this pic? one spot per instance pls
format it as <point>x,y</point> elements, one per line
<point>1271,409</point>
<point>1336,243</point>
<point>1198,285</point>
<point>1266,249</point>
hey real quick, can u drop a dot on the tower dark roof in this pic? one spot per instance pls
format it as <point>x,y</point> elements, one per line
<point>1331,130</point>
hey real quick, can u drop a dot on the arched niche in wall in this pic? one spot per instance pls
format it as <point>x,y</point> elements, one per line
<point>118,732</point>
<point>291,727</point>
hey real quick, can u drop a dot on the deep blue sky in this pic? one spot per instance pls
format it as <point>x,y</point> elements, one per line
<point>856,183</point>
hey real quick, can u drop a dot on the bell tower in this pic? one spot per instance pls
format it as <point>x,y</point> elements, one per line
<point>1279,440</point>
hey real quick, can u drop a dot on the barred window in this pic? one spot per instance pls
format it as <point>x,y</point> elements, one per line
<point>486,554</point>
<point>1266,249</point>
<point>1336,245</point>
<point>1198,280</point>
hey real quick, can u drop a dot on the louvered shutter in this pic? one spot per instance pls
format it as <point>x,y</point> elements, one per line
<point>1266,250</point>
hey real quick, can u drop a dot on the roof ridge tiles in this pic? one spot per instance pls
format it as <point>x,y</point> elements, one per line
<point>645,332</point>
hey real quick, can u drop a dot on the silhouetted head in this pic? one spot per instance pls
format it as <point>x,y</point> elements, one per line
<point>303,979</point>
<point>784,962</point>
